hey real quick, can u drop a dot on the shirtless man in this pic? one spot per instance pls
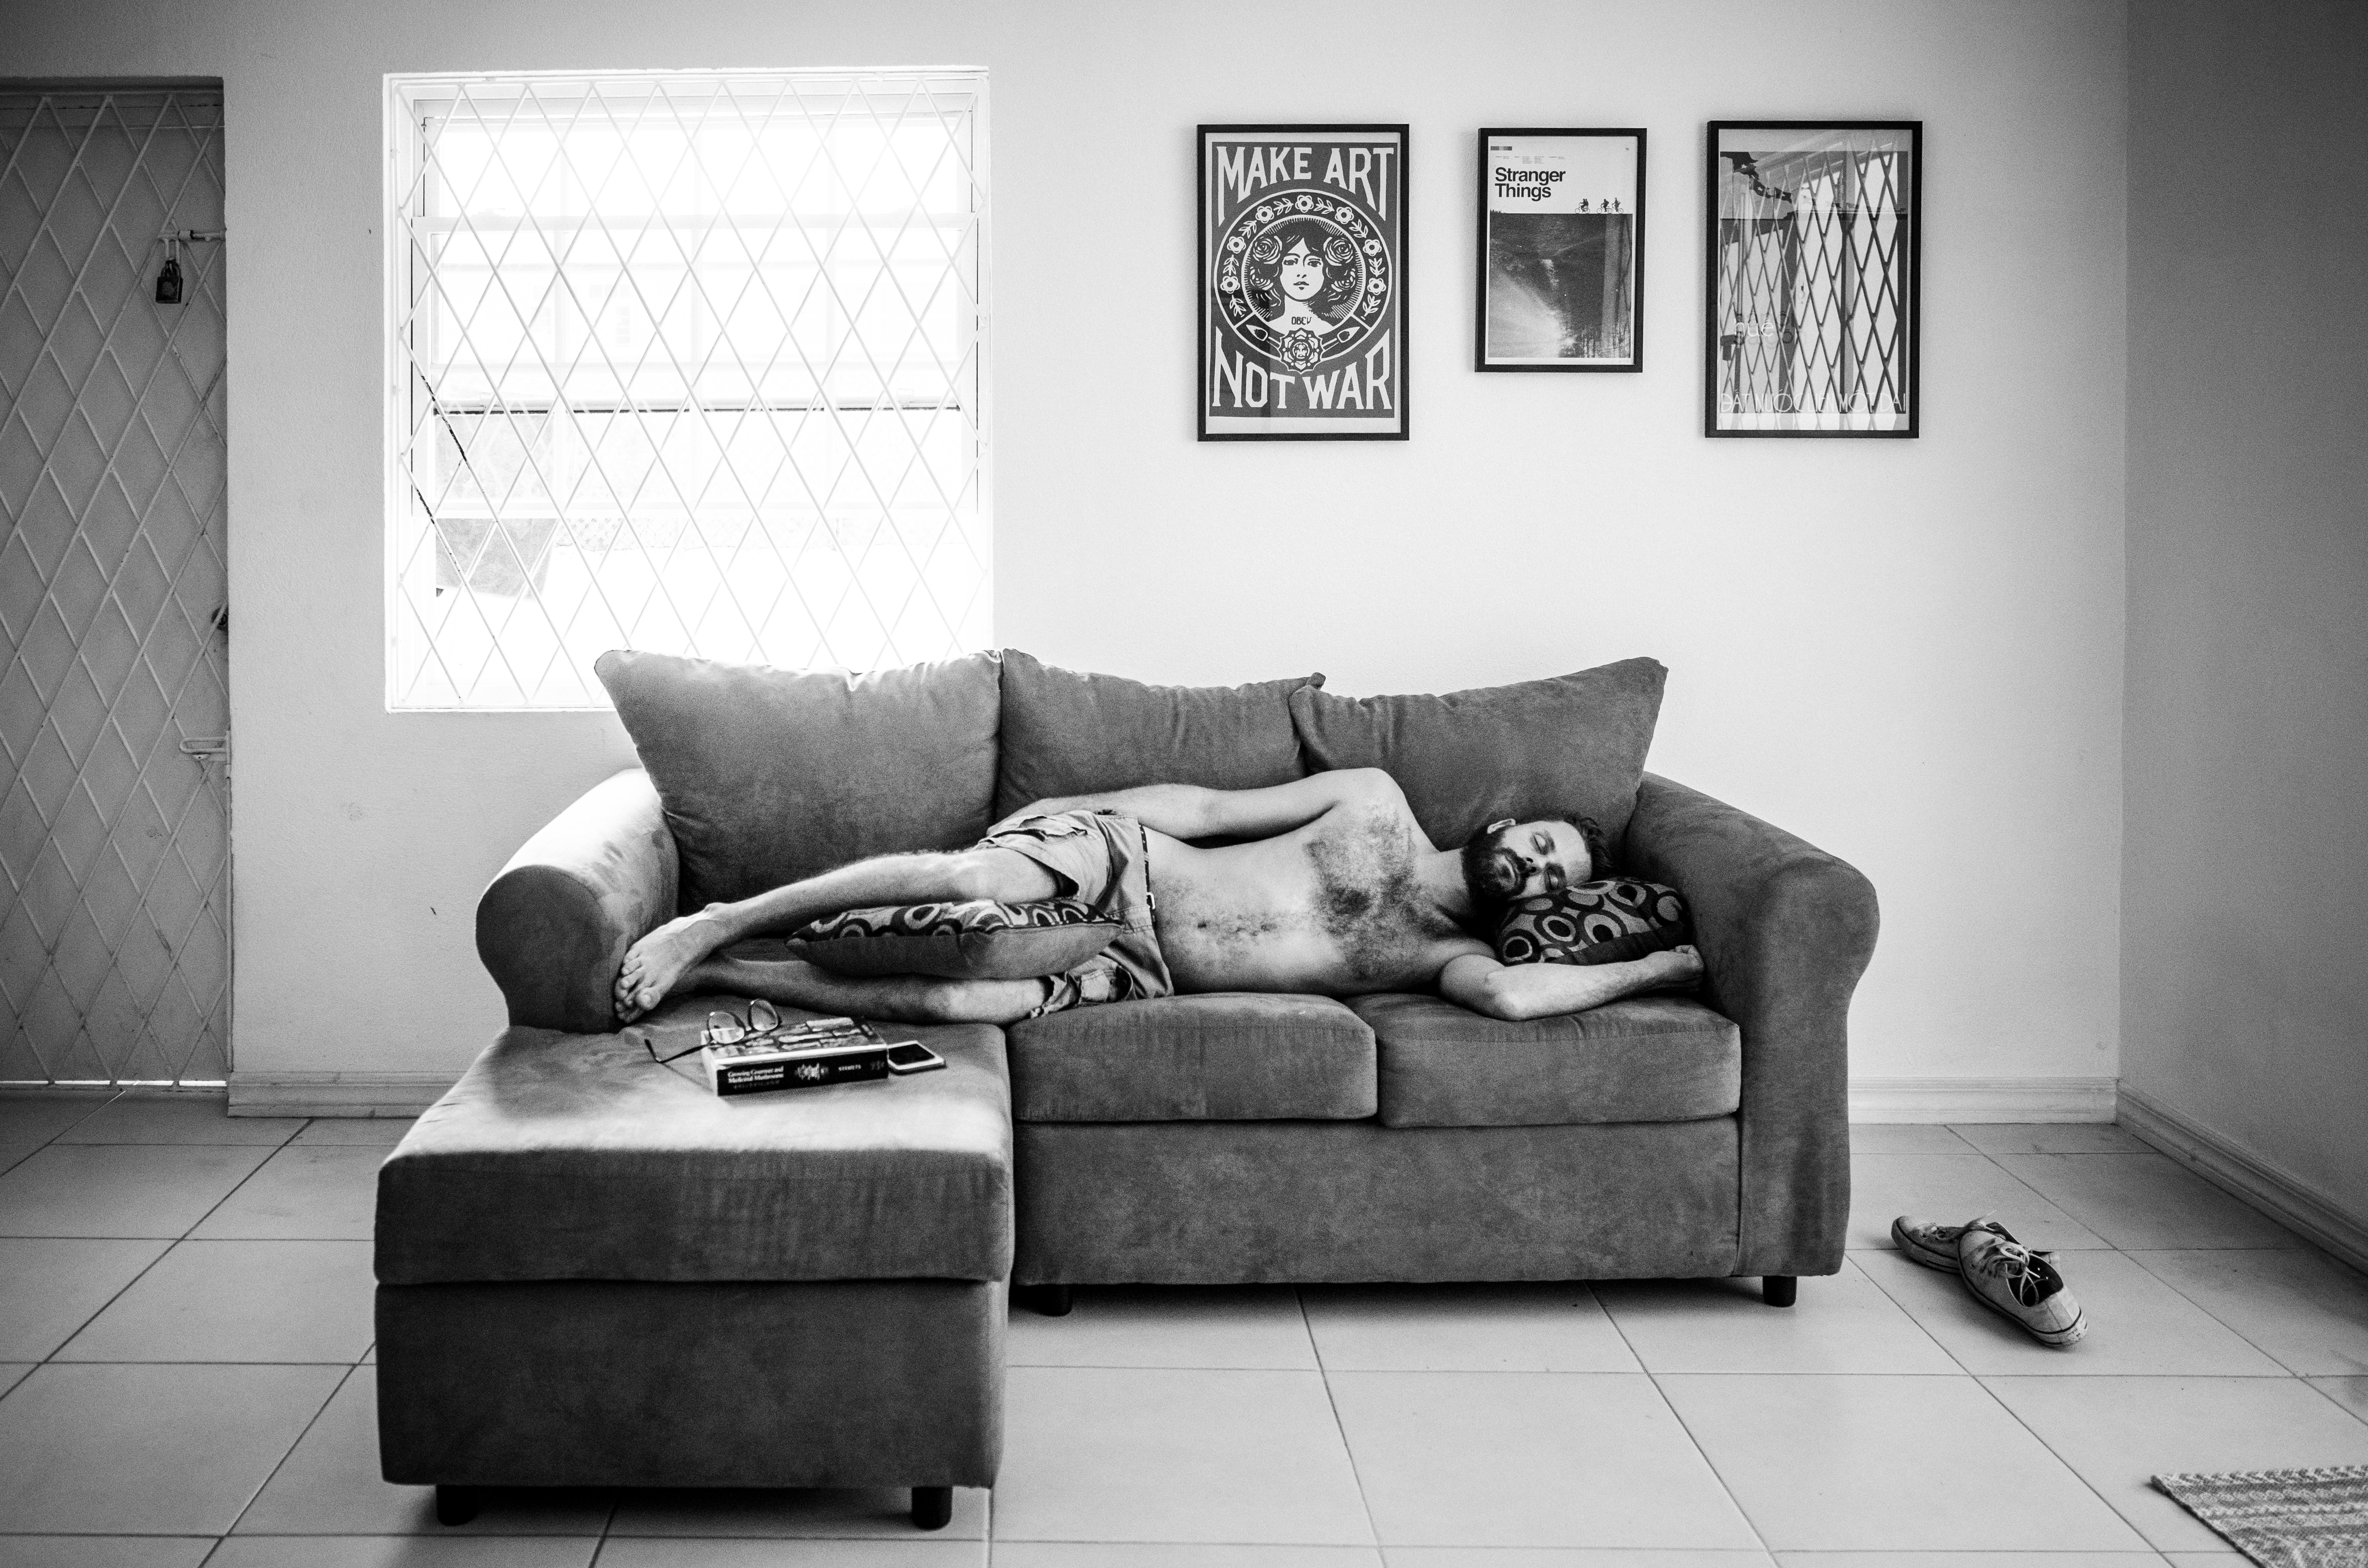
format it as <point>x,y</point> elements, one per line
<point>1333,889</point>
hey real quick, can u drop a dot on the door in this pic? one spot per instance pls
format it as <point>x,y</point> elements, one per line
<point>114,694</point>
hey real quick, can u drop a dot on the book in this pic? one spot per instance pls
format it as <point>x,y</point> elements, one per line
<point>813,1054</point>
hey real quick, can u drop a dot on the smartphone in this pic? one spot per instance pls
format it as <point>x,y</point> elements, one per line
<point>912,1056</point>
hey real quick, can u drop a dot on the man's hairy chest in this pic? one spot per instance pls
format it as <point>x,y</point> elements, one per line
<point>1341,898</point>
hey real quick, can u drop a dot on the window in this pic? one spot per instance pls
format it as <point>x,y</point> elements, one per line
<point>691,362</point>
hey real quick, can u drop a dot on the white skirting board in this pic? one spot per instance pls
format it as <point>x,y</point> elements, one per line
<point>2283,1197</point>
<point>336,1094</point>
<point>1982,1099</point>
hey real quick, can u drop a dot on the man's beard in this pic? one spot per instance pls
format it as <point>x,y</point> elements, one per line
<point>1491,874</point>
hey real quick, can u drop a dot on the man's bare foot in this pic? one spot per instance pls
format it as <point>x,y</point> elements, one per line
<point>654,964</point>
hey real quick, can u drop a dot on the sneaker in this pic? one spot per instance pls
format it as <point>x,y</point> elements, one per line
<point>2016,1282</point>
<point>1931,1243</point>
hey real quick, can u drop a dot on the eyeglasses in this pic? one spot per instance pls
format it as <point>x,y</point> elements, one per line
<point>725,1027</point>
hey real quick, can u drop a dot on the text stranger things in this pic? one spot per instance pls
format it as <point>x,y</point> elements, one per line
<point>1302,282</point>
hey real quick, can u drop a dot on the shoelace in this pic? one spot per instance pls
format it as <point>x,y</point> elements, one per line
<point>2027,1273</point>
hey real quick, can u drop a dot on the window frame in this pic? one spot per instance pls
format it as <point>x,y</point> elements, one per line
<point>410,101</point>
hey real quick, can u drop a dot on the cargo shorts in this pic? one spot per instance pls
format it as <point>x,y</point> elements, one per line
<point>1103,858</point>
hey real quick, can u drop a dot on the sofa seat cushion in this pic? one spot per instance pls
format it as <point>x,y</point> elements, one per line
<point>1223,1056</point>
<point>566,1156</point>
<point>1644,1059</point>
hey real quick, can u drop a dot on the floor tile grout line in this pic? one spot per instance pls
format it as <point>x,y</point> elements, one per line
<point>281,1462</point>
<point>170,1244</point>
<point>1332,1402</point>
<point>2016,1417</point>
<point>197,1361</point>
<point>2136,1255</point>
<point>1678,1416</point>
<point>1907,1313</point>
<point>62,1131</point>
<point>145,1269</point>
<point>2330,1399</point>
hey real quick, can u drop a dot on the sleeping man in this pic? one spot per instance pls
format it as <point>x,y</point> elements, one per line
<point>1331,888</point>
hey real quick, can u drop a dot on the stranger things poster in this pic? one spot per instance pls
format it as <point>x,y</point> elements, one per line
<point>1562,239</point>
<point>1302,282</point>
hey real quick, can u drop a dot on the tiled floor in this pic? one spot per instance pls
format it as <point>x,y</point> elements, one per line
<point>184,1328</point>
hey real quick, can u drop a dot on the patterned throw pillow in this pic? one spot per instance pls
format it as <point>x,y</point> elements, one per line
<point>977,940</point>
<point>1610,921</point>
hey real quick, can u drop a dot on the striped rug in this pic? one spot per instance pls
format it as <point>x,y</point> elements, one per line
<point>2283,1518</point>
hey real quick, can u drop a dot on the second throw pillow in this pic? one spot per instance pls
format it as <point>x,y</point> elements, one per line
<point>1609,921</point>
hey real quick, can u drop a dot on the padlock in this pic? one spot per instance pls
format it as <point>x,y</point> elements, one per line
<point>168,283</point>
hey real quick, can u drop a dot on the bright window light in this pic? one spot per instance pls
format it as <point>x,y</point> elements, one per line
<point>685,361</point>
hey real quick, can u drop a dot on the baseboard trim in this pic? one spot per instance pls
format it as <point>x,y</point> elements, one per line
<point>336,1094</point>
<point>2283,1196</point>
<point>1982,1099</point>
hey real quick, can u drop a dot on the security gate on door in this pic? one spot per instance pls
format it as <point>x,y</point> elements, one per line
<point>114,702</point>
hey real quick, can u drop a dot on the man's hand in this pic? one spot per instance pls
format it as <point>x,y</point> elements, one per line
<point>1518,992</point>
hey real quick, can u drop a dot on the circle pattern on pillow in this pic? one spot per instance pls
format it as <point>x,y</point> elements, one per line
<point>969,939</point>
<point>1610,921</point>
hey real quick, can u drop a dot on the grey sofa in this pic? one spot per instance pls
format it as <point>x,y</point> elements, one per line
<point>1252,1138</point>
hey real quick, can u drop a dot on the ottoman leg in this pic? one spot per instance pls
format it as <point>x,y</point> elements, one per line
<point>455,1505</point>
<point>1779,1290</point>
<point>933,1506</point>
<point>1052,1301</point>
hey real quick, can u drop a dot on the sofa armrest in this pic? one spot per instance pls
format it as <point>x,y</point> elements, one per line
<point>1785,930</point>
<point>553,927</point>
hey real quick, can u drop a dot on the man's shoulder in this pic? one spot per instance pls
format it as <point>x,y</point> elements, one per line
<point>1362,786</point>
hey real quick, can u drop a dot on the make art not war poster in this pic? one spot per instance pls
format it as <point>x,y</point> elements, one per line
<point>1302,282</point>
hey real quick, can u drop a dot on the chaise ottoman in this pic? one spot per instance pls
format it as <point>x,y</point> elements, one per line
<point>593,1271</point>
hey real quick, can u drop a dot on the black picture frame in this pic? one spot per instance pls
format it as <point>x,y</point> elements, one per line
<point>1560,249</point>
<point>1811,303</point>
<point>1340,351</point>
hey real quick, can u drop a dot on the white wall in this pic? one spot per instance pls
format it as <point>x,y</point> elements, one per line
<point>1910,652</point>
<point>2244,992</point>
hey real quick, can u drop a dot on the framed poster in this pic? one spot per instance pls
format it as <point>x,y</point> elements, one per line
<point>1302,282</point>
<point>1562,249</point>
<point>1812,281</point>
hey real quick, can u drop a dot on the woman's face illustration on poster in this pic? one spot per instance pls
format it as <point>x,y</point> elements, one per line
<point>1302,272</point>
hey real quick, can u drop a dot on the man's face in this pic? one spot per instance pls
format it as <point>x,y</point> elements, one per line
<point>1510,860</point>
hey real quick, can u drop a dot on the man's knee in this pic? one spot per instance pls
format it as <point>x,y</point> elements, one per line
<point>1004,875</point>
<point>980,1001</point>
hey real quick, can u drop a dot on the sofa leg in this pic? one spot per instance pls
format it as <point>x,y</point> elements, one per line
<point>1052,1301</point>
<point>933,1506</point>
<point>1779,1290</point>
<point>455,1505</point>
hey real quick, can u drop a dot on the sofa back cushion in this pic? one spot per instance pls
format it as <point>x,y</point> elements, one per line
<point>769,774</point>
<point>1541,748</point>
<point>1070,733</point>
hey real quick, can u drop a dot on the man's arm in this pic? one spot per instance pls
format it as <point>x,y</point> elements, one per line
<point>1189,811</point>
<point>1516,992</point>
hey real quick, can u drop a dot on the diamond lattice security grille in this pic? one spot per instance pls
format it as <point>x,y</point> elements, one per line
<point>1812,281</point>
<point>690,362</point>
<point>114,694</point>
